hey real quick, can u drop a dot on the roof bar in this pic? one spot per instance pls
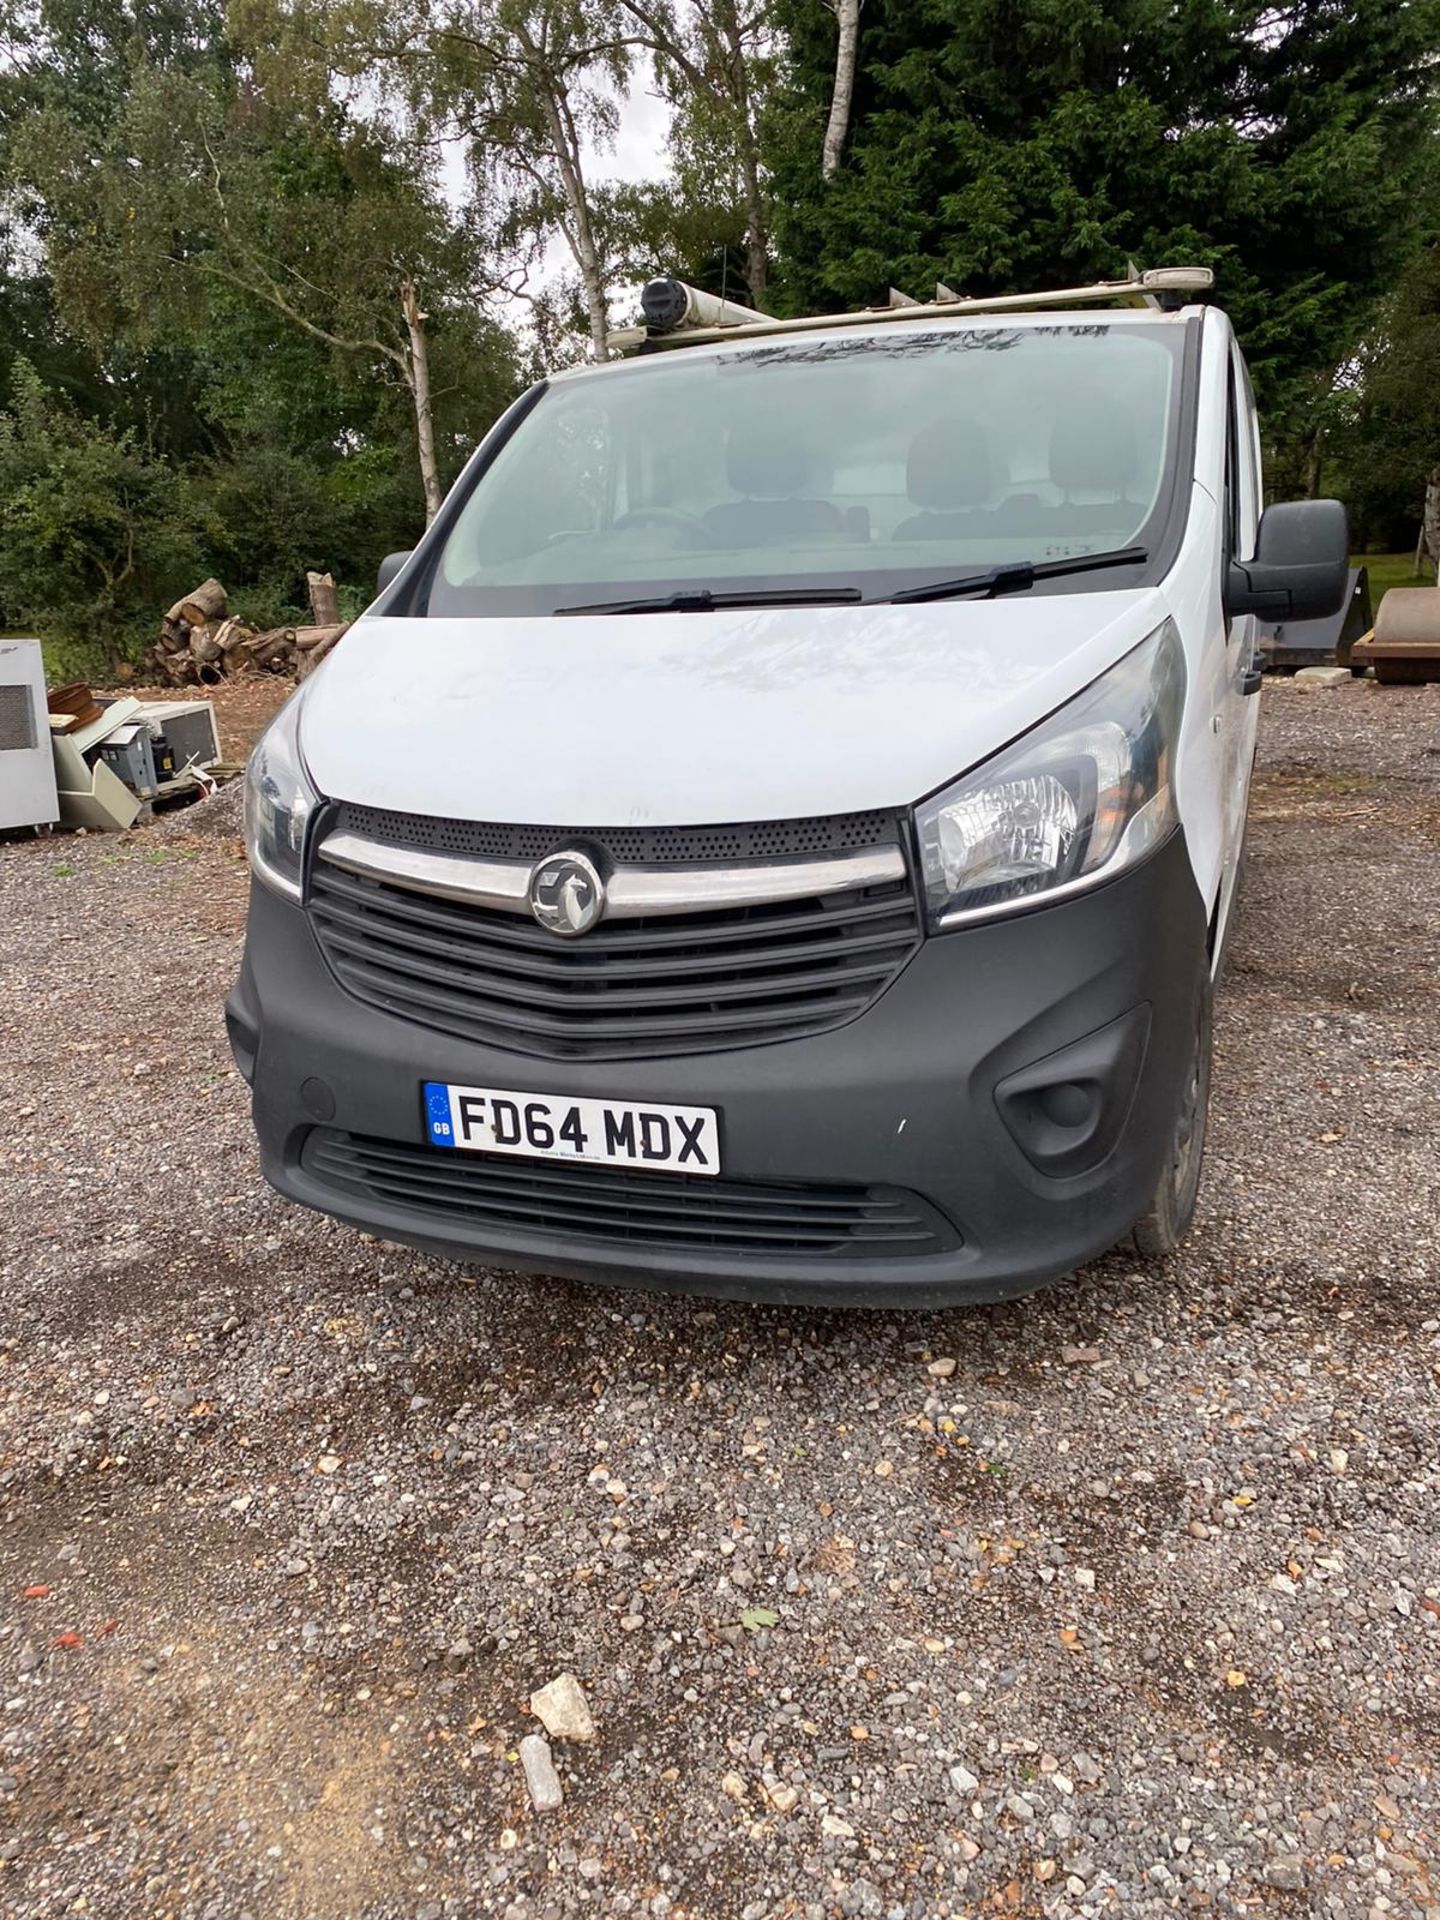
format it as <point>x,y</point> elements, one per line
<point>1138,290</point>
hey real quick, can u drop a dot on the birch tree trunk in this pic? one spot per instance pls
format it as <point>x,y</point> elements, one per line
<point>757,239</point>
<point>1430,522</point>
<point>417,373</point>
<point>847,15</point>
<point>579,231</point>
<point>747,150</point>
<point>587,258</point>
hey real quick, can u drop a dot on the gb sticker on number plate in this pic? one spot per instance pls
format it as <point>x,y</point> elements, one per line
<point>610,1133</point>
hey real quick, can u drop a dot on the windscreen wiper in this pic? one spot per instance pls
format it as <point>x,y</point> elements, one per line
<point>1016,576</point>
<point>702,600</point>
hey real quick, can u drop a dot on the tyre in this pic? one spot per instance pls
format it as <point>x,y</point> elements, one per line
<point>1168,1218</point>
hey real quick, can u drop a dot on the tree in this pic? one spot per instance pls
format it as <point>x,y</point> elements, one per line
<point>149,370</point>
<point>530,85</point>
<point>715,63</point>
<point>999,144</point>
<point>77,57</point>
<point>198,182</point>
<point>82,52</point>
<point>696,230</point>
<point>1387,444</point>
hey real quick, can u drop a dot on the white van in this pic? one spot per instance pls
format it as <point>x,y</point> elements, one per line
<point>775,835</point>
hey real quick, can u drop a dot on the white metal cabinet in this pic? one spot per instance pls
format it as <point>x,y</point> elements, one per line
<point>27,768</point>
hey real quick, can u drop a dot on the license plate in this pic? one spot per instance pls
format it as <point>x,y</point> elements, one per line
<point>607,1133</point>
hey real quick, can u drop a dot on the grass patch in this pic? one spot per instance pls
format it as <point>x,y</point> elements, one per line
<point>1393,570</point>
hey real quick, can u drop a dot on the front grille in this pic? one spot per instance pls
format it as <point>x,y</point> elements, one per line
<point>564,1201</point>
<point>684,983</point>
<point>636,846</point>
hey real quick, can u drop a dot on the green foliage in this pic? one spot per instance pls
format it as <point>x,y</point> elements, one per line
<point>93,526</point>
<point>655,227</point>
<point>999,144</point>
<point>204,283</point>
<point>1383,446</point>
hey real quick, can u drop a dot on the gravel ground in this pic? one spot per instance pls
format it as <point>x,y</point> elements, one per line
<point>1125,1598</point>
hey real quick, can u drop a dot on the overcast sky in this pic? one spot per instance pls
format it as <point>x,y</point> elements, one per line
<point>640,150</point>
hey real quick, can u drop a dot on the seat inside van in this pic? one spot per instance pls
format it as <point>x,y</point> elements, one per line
<point>949,476</point>
<point>954,478</point>
<point>769,469</point>
<point>1093,466</point>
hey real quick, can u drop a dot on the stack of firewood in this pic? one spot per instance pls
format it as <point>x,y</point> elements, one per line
<point>199,644</point>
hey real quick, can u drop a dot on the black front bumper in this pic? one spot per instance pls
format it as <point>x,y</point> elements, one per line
<point>1016,1087</point>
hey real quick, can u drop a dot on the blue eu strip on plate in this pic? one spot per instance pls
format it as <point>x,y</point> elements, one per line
<point>437,1114</point>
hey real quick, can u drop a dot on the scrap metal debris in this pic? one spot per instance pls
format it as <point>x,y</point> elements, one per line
<point>116,757</point>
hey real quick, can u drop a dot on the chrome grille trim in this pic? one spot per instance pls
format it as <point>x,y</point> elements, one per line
<point>632,892</point>
<point>499,884</point>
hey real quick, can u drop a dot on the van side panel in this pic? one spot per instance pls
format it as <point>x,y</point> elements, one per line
<point>1193,591</point>
<point>1211,766</point>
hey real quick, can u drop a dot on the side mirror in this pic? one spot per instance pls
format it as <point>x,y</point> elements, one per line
<point>1301,569</point>
<point>389,568</point>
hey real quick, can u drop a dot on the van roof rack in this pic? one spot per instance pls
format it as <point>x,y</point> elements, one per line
<point>677,315</point>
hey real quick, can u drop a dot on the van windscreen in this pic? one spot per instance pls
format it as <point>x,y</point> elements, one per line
<point>876,460</point>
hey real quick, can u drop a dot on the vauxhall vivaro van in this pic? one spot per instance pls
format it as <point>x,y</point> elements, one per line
<point>776,833</point>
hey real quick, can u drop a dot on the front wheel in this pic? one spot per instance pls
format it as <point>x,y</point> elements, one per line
<point>1168,1218</point>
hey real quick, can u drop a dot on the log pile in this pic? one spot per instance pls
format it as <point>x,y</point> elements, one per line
<point>201,644</point>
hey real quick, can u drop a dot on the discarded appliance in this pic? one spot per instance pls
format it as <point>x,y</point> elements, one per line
<point>92,794</point>
<point>1405,646</point>
<point>1326,642</point>
<point>132,752</point>
<point>186,738</point>
<point>129,752</point>
<point>27,773</point>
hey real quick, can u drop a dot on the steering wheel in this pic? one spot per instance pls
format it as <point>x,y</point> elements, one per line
<point>664,517</point>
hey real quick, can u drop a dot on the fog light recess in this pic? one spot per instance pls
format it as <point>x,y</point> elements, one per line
<point>1065,1112</point>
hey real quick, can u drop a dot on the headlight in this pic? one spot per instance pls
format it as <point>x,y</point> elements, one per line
<point>279,804</point>
<point>1078,798</point>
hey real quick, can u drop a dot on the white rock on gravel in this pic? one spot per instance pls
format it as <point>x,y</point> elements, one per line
<point>563,1710</point>
<point>542,1783</point>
